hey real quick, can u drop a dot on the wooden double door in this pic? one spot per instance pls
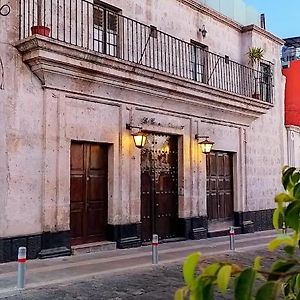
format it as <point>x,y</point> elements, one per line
<point>159,187</point>
<point>88,192</point>
<point>219,170</point>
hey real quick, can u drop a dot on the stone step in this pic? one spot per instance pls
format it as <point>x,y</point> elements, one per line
<point>94,247</point>
<point>223,232</point>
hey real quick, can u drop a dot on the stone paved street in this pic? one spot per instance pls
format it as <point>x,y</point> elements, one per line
<point>151,283</point>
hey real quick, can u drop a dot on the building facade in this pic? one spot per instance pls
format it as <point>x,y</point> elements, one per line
<point>291,70</point>
<point>79,78</point>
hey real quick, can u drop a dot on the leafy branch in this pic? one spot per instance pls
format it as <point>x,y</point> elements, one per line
<point>282,280</point>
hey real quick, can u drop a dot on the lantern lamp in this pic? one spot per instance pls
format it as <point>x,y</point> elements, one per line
<point>139,137</point>
<point>206,145</point>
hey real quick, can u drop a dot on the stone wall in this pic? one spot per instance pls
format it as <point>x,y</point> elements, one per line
<point>39,117</point>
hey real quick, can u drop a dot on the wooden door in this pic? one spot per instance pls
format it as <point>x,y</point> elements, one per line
<point>159,187</point>
<point>88,192</point>
<point>219,186</point>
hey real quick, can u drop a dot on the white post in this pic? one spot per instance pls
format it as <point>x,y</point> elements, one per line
<point>155,249</point>
<point>231,238</point>
<point>21,267</point>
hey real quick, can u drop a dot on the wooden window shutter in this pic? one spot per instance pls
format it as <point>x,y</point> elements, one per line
<point>112,21</point>
<point>98,17</point>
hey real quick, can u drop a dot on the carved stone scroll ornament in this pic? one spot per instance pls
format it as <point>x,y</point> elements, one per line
<point>4,10</point>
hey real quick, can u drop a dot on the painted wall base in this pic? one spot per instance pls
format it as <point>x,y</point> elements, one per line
<point>193,228</point>
<point>53,244</point>
<point>251,221</point>
<point>126,236</point>
<point>44,245</point>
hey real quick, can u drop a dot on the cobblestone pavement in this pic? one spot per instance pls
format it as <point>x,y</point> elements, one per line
<point>152,283</point>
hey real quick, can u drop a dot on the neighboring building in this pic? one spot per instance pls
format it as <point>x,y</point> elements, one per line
<point>291,70</point>
<point>70,172</point>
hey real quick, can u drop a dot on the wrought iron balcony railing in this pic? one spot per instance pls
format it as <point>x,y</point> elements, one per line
<point>103,30</point>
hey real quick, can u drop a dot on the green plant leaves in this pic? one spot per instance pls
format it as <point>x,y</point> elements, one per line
<point>280,266</point>
<point>189,268</point>
<point>211,270</point>
<point>257,263</point>
<point>295,177</point>
<point>204,289</point>
<point>283,197</point>
<point>255,54</point>
<point>280,240</point>
<point>223,278</point>
<point>297,191</point>
<point>268,291</point>
<point>276,215</point>
<point>287,173</point>
<point>180,293</point>
<point>244,285</point>
<point>208,292</point>
<point>289,250</point>
<point>292,215</point>
<point>284,276</point>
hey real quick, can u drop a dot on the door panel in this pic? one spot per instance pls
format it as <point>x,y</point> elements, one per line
<point>146,208</point>
<point>88,217</point>
<point>219,186</point>
<point>159,179</point>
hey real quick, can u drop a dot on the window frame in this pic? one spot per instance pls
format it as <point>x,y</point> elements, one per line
<point>105,31</point>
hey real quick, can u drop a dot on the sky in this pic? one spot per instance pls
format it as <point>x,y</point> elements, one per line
<point>282,17</point>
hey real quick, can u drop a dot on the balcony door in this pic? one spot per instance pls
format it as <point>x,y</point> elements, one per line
<point>88,192</point>
<point>199,62</point>
<point>106,29</point>
<point>265,82</point>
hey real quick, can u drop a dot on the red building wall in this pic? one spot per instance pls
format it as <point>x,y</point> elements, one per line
<point>292,93</point>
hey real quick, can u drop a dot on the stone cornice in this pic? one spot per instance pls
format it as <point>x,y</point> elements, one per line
<point>229,22</point>
<point>211,13</point>
<point>293,128</point>
<point>263,32</point>
<point>48,57</point>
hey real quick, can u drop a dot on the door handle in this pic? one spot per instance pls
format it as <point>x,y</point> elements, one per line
<point>157,204</point>
<point>88,178</point>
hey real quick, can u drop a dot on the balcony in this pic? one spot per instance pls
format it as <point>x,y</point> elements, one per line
<point>290,51</point>
<point>104,31</point>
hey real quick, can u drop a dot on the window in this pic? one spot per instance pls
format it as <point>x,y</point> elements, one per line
<point>106,28</point>
<point>265,82</point>
<point>199,62</point>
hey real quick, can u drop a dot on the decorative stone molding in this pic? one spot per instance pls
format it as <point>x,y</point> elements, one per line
<point>48,58</point>
<point>1,75</point>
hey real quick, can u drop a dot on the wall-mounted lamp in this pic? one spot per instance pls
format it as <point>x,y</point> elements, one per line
<point>206,145</point>
<point>203,31</point>
<point>139,137</point>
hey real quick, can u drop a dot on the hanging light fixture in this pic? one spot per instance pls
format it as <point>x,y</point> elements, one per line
<point>139,137</point>
<point>206,145</point>
<point>203,31</point>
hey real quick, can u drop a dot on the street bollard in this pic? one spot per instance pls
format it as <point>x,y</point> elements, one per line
<point>231,238</point>
<point>283,228</point>
<point>21,267</point>
<point>155,249</point>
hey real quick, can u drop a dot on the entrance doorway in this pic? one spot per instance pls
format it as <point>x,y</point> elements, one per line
<point>159,187</point>
<point>219,170</point>
<point>88,192</point>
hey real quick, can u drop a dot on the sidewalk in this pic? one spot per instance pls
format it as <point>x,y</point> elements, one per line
<point>65,269</point>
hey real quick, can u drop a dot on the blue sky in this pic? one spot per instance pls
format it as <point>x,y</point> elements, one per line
<point>282,17</point>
